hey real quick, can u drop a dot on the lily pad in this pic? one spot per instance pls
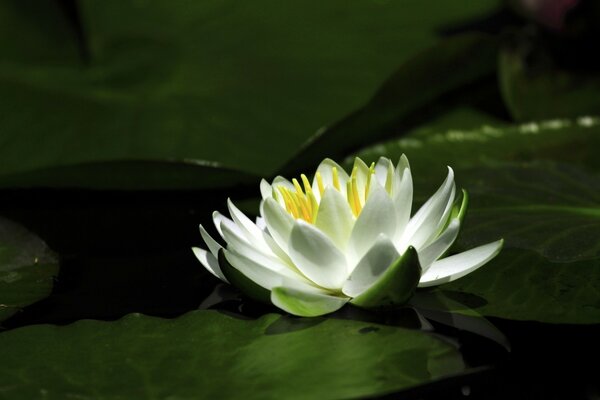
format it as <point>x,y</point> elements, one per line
<point>537,186</point>
<point>522,285</point>
<point>234,85</point>
<point>27,267</point>
<point>206,354</point>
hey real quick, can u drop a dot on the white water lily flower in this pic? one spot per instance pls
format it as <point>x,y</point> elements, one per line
<point>342,238</point>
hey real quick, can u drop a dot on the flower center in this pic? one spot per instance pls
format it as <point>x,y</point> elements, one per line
<point>302,203</point>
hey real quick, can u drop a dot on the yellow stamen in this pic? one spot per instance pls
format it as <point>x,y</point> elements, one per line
<point>336,180</point>
<point>306,183</point>
<point>350,196</point>
<point>303,207</point>
<point>308,191</point>
<point>297,203</point>
<point>357,204</point>
<point>314,206</point>
<point>320,183</point>
<point>297,186</point>
<point>289,202</point>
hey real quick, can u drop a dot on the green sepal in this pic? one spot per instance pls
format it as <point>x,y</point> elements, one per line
<point>395,286</point>
<point>243,283</point>
<point>460,211</point>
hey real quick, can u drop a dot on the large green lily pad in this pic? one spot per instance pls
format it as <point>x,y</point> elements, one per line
<point>27,268</point>
<point>206,354</point>
<point>537,186</point>
<point>234,85</point>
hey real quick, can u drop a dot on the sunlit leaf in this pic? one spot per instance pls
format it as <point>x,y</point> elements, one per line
<point>205,354</point>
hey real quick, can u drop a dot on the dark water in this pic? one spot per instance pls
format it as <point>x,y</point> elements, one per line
<point>124,252</point>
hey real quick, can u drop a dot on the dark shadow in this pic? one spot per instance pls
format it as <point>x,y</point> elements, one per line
<point>72,12</point>
<point>468,299</point>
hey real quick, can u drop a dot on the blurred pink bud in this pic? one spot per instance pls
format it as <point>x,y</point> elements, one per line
<point>550,13</point>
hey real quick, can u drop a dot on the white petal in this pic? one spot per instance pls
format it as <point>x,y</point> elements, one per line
<point>257,273</point>
<point>371,266</point>
<point>440,245</point>
<point>260,223</point>
<point>267,259</point>
<point>305,303</point>
<point>384,169</point>
<point>209,262</point>
<point>278,251</point>
<point>326,171</point>
<point>279,222</point>
<point>426,222</point>
<point>212,244</point>
<point>459,265</point>
<point>249,228</point>
<point>281,181</point>
<point>402,195</point>
<point>377,217</point>
<point>317,256</point>
<point>244,247</point>
<point>217,218</point>
<point>362,174</point>
<point>334,217</point>
<point>266,191</point>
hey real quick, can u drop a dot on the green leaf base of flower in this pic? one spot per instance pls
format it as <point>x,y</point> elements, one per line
<point>396,286</point>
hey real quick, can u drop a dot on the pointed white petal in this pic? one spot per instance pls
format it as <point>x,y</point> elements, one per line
<point>377,217</point>
<point>279,222</point>
<point>305,303</point>
<point>383,170</point>
<point>362,174</point>
<point>281,181</point>
<point>267,259</point>
<point>266,190</point>
<point>334,217</point>
<point>212,244</point>
<point>402,195</point>
<point>217,218</point>
<point>257,273</point>
<point>326,171</point>
<point>278,251</point>
<point>426,222</point>
<point>451,268</point>
<point>440,245</point>
<point>209,262</point>
<point>252,232</point>
<point>317,256</point>
<point>371,266</point>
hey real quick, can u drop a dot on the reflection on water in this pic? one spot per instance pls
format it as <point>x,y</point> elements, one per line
<point>428,311</point>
